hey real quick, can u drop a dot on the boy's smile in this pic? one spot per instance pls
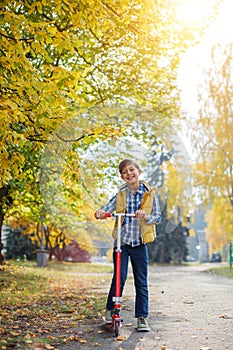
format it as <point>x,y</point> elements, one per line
<point>130,175</point>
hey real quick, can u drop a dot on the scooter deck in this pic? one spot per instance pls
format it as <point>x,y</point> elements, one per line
<point>107,324</point>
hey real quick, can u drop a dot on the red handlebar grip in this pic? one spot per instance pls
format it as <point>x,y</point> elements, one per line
<point>107,215</point>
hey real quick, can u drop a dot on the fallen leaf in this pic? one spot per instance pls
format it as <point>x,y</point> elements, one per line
<point>49,347</point>
<point>224,316</point>
<point>14,333</point>
<point>121,338</point>
<point>38,346</point>
<point>74,338</point>
<point>27,336</point>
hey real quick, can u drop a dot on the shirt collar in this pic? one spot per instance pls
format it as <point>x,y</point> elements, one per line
<point>140,189</point>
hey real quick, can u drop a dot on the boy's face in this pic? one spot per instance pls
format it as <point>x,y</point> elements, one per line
<point>130,174</point>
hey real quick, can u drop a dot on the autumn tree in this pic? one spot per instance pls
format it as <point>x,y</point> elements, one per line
<point>213,141</point>
<point>75,61</point>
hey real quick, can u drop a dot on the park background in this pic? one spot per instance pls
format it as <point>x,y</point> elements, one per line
<point>84,84</point>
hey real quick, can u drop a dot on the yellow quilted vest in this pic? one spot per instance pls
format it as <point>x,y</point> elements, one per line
<point>147,231</point>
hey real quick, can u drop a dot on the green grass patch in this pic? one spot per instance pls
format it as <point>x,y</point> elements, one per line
<point>80,267</point>
<point>55,266</point>
<point>20,282</point>
<point>223,271</point>
<point>41,304</point>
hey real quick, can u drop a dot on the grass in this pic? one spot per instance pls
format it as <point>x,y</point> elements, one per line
<point>225,271</point>
<point>36,304</point>
<point>80,267</point>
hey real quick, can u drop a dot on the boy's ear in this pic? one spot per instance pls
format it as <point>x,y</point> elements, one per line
<point>140,171</point>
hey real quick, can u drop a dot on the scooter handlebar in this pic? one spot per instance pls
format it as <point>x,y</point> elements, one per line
<point>109,215</point>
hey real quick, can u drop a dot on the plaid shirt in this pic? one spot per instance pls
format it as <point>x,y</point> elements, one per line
<point>131,231</point>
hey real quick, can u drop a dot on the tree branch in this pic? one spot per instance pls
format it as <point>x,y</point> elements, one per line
<point>73,140</point>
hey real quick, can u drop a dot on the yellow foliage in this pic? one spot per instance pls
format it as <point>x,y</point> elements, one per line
<point>177,187</point>
<point>192,232</point>
<point>213,138</point>
<point>66,65</point>
<point>220,228</point>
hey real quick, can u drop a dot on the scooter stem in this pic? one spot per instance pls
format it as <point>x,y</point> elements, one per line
<point>119,216</point>
<point>118,256</point>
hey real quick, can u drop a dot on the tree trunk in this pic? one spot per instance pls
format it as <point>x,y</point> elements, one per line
<point>1,245</point>
<point>3,193</point>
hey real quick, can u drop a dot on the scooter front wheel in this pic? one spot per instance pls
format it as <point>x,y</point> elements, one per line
<point>117,327</point>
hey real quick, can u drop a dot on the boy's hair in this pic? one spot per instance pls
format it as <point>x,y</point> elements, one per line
<point>126,162</point>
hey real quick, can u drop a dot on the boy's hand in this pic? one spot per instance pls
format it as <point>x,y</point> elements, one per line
<point>100,214</point>
<point>140,214</point>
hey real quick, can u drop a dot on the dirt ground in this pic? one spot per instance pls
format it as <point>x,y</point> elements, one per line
<point>190,309</point>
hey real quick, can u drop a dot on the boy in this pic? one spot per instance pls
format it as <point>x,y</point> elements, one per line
<point>138,197</point>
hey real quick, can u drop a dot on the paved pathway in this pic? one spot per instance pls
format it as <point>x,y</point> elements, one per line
<point>190,309</point>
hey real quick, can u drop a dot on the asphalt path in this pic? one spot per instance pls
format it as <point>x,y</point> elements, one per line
<point>190,309</point>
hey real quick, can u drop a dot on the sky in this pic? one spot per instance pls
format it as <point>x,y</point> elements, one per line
<point>197,59</point>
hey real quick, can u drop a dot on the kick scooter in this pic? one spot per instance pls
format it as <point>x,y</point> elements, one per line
<point>116,317</point>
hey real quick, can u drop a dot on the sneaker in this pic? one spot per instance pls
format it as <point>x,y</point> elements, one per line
<point>108,316</point>
<point>142,325</point>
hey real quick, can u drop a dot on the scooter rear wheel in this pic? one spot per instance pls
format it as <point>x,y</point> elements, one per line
<point>117,327</point>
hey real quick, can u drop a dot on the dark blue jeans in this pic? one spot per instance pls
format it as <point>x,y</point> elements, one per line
<point>139,261</point>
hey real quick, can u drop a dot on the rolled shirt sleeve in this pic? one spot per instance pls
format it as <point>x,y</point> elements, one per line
<point>155,216</point>
<point>110,206</point>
